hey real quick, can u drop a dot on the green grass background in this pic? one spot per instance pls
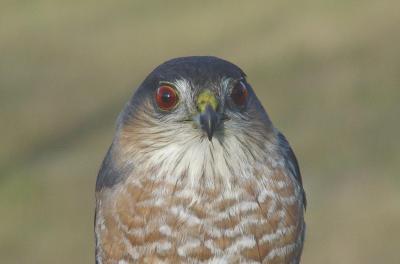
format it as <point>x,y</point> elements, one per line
<point>328,72</point>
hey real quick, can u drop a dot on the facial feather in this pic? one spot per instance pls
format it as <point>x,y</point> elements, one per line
<point>175,146</point>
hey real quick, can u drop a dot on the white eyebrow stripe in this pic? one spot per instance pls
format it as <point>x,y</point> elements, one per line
<point>182,85</point>
<point>185,90</point>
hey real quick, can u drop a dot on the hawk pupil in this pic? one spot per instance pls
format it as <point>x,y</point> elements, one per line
<point>166,97</point>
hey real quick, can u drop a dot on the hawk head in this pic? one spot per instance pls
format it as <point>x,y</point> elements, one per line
<point>207,94</point>
<point>196,116</point>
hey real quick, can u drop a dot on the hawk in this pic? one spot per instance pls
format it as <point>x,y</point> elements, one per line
<point>197,173</point>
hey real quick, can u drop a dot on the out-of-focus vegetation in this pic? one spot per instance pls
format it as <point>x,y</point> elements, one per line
<point>328,72</point>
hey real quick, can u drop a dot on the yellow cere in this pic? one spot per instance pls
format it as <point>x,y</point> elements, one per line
<point>205,98</point>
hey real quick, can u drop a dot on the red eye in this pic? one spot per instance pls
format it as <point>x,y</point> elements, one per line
<point>166,97</point>
<point>239,94</point>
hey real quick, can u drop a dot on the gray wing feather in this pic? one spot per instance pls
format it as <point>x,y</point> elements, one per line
<point>110,174</point>
<point>292,163</point>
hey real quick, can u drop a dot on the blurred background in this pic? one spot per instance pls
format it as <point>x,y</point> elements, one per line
<point>328,72</point>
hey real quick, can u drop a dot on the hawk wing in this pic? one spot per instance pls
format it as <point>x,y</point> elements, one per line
<point>291,163</point>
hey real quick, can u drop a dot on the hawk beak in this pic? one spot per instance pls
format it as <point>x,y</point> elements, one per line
<point>209,120</point>
<point>207,105</point>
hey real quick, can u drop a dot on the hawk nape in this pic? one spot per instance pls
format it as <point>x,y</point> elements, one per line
<point>197,173</point>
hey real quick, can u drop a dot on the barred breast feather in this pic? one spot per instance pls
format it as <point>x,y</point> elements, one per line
<point>155,217</point>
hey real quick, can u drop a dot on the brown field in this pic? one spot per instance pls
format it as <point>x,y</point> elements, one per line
<point>328,72</point>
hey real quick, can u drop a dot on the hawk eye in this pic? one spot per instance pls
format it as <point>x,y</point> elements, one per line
<point>239,93</point>
<point>166,97</point>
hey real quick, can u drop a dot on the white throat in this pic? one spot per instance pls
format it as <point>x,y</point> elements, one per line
<point>192,160</point>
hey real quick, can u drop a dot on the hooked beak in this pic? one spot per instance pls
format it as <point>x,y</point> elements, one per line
<point>209,120</point>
